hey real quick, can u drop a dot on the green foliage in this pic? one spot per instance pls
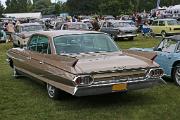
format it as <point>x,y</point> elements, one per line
<point>1,9</point>
<point>86,7</point>
<point>42,6</point>
<point>114,7</point>
<point>18,6</point>
<point>58,7</point>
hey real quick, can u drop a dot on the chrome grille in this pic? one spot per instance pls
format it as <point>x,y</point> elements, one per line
<point>121,77</point>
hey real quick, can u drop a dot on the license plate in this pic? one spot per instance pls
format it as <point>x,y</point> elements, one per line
<point>119,87</point>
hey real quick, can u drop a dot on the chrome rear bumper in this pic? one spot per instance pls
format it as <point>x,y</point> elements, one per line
<point>105,89</point>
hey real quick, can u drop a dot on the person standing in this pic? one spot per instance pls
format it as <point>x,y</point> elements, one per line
<point>95,24</point>
<point>10,30</point>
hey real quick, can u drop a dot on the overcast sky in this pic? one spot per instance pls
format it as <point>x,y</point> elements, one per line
<point>3,1</point>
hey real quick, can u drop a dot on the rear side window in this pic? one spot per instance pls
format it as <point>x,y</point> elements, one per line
<point>39,44</point>
<point>155,23</point>
<point>109,24</point>
<point>32,46</point>
<point>42,45</point>
<point>104,24</point>
<point>161,23</point>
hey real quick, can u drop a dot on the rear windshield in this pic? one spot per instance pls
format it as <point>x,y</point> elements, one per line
<point>31,28</point>
<point>84,43</point>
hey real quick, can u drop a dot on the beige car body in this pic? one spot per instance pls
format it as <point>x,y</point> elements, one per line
<point>21,37</point>
<point>111,71</point>
<point>161,27</point>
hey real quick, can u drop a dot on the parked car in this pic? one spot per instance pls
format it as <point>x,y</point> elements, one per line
<point>119,29</point>
<point>165,27</point>
<point>24,31</point>
<point>108,17</point>
<point>74,26</point>
<point>82,63</point>
<point>168,56</point>
<point>2,34</point>
<point>88,22</point>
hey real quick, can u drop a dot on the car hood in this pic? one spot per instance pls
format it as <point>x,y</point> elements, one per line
<point>142,49</point>
<point>124,29</point>
<point>28,34</point>
<point>93,63</point>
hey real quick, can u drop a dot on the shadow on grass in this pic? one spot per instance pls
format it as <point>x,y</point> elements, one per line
<point>136,98</point>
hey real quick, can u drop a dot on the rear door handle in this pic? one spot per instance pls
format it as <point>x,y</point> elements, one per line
<point>29,58</point>
<point>41,62</point>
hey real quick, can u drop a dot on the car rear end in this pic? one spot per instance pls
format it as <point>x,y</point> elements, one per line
<point>117,81</point>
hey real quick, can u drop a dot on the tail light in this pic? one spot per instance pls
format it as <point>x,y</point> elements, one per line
<point>83,80</point>
<point>154,58</point>
<point>155,73</point>
<point>23,36</point>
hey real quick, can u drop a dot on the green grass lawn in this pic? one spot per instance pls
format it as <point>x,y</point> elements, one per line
<point>25,99</point>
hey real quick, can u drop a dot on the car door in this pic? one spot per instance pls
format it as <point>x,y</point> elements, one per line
<point>16,35</point>
<point>163,27</point>
<point>155,27</point>
<point>110,28</point>
<point>165,56</point>
<point>37,47</point>
<point>104,27</point>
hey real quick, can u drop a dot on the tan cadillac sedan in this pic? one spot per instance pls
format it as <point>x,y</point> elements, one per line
<point>82,63</point>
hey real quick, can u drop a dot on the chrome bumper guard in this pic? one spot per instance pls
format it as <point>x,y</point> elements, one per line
<point>107,88</point>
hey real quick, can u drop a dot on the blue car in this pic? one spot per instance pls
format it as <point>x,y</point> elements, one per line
<point>2,36</point>
<point>168,56</point>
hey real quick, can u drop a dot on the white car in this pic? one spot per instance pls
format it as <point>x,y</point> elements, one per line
<point>24,31</point>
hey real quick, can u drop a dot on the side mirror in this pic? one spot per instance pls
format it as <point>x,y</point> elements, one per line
<point>90,28</point>
<point>159,49</point>
<point>25,48</point>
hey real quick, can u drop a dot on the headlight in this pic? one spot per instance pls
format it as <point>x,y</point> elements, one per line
<point>155,73</point>
<point>120,32</point>
<point>83,80</point>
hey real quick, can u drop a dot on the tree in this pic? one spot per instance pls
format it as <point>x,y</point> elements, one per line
<point>58,7</point>
<point>41,6</point>
<point>1,9</point>
<point>18,6</point>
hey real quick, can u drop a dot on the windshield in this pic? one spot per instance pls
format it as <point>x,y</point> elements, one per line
<point>122,24</point>
<point>31,28</point>
<point>78,27</point>
<point>167,45</point>
<point>172,22</point>
<point>84,43</point>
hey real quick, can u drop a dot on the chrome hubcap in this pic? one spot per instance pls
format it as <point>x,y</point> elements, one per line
<point>163,34</point>
<point>177,76</point>
<point>51,90</point>
<point>14,71</point>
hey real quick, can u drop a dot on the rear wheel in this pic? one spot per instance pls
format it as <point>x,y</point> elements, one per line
<point>53,92</point>
<point>163,34</point>
<point>176,74</point>
<point>131,38</point>
<point>16,74</point>
<point>114,37</point>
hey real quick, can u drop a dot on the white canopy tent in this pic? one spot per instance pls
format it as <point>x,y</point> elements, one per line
<point>174,9</point>
<point>37,15</point>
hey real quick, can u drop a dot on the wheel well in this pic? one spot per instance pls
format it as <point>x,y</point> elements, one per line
<point>163,31</point>
<point>18,42</point>
<point>11,63</point>
<point>175,63</point>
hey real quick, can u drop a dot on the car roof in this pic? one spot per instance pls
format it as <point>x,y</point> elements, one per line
<point>114,21</point>
<point>167,19</point>
<point>175,37</point>
<point>73,23</point>
<point>66,32</point>
<point>28,24</point>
